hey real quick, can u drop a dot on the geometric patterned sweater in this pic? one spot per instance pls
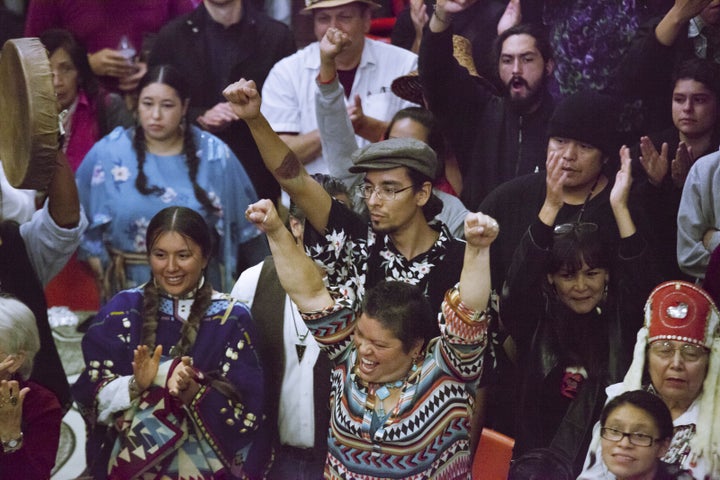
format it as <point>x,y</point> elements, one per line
<point>428,435</point>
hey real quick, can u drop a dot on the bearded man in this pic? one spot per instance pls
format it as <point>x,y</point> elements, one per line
<point>495,137</point>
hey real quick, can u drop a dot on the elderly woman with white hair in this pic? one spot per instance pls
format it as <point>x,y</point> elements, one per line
<point>677,357</point>
<point>30,415</point>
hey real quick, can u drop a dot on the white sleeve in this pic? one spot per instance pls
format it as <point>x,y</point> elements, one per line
<point>50,246</point>
<point>594,467</point>
<point>115,395</point>
<point>246,285</point>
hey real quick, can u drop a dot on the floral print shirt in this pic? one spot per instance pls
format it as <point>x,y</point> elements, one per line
<point>356,257</point>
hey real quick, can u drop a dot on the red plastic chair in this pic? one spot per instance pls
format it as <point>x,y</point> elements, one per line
<point>492,456</point>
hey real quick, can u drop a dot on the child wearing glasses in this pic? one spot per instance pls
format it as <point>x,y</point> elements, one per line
<point>636,432</point>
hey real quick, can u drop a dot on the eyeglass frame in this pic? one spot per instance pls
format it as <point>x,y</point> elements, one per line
<point>682,349</point>
<point>629,435</point>
<point>378,190</point>
<point>576,227</point>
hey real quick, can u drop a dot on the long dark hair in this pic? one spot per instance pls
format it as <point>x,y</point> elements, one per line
<point>190,224</point>
<point>580,337</point>
<point>168,75</point>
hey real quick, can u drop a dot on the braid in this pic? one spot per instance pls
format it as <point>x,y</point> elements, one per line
<point>193,163</point>
<point>151,304</point>
<point>189,330</point>
<point>141,180</point>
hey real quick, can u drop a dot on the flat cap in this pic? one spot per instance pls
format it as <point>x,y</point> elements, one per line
<point>396,152</point>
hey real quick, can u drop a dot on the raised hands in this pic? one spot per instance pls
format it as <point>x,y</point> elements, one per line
<point>480,230</point>
<point>454,6</point>
<point>11,404</point>
<point>145,366</point>
<point>182,383</point>
<point>511,17</point>
<point>554,181</point>
<point>418,15</point>
<point>111,63</point>
<point>653,162</point>
<point>332,44</point>
<point>244,99</point>
<point>264,215</point>
<point>623,180</point>
<point>218,117</point>
<point>687,9</point>
<point>681,164</point>
<point>620,193</point>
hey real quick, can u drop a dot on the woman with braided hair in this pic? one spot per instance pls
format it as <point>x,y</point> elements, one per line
<point>172,381</point>
<point>131,174</point>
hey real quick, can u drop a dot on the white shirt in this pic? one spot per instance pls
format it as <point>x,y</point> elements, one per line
<point>296,415</point>
<point>289,90</point>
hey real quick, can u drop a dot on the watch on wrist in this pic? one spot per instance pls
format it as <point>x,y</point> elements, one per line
<point>133,388</point>
<point>13,445</point>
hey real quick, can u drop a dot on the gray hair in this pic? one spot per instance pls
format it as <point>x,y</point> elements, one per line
<point>18,332</point>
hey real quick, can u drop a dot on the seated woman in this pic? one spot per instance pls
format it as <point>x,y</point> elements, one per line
<point>30,415</point>
<point>677,357</point>
<point>130,175</point>
<point>88,113</point>
<point>568,303</point>
<point>400,401</point>
<point>636,429</point>
<point>171,368</point>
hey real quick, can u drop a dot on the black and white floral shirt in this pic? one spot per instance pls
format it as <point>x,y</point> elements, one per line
<point>356,257</point>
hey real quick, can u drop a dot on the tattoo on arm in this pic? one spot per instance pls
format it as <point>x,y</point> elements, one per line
<point>290,167</point>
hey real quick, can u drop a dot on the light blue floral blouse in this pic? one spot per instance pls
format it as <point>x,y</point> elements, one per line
<point>119,214</point>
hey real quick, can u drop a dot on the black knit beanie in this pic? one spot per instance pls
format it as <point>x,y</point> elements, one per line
<point>589,117</point>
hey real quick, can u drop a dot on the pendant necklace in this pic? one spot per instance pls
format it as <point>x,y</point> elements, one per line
<point>300,347</point>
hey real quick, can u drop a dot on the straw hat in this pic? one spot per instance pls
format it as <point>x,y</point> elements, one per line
<point>408,86</point>
<point>311,5</point>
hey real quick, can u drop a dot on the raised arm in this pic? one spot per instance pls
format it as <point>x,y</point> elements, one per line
<point>336,130</point>
<point>480,231</point>
<point>620,193</point>
<point>63,199</point>
<point>298,274</point>
<point>279,159</point>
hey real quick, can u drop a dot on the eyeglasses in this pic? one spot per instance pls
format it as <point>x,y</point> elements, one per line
<point>383,192</point>
<point>688,352</point>
<point>637,439</point>
<point>577,227</point>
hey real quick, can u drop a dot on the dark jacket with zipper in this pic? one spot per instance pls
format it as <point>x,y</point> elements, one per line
<point>492,142</point>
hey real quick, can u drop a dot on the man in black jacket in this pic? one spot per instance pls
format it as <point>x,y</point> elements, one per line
<point>219,43</point>
<point>495,138</point>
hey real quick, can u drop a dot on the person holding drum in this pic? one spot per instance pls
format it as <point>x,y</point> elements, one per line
<point>87,112</point>
<point>131,174</point>
<point>33,253</point>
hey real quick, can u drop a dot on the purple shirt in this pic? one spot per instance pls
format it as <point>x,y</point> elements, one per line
<point>99,24</point>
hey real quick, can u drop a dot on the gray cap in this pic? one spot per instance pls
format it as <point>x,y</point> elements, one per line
<point>396,152</point>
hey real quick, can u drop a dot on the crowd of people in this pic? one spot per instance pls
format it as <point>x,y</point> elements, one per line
<point>345,259</point>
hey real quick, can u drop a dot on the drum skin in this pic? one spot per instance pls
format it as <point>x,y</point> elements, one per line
<point>28,114</point>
